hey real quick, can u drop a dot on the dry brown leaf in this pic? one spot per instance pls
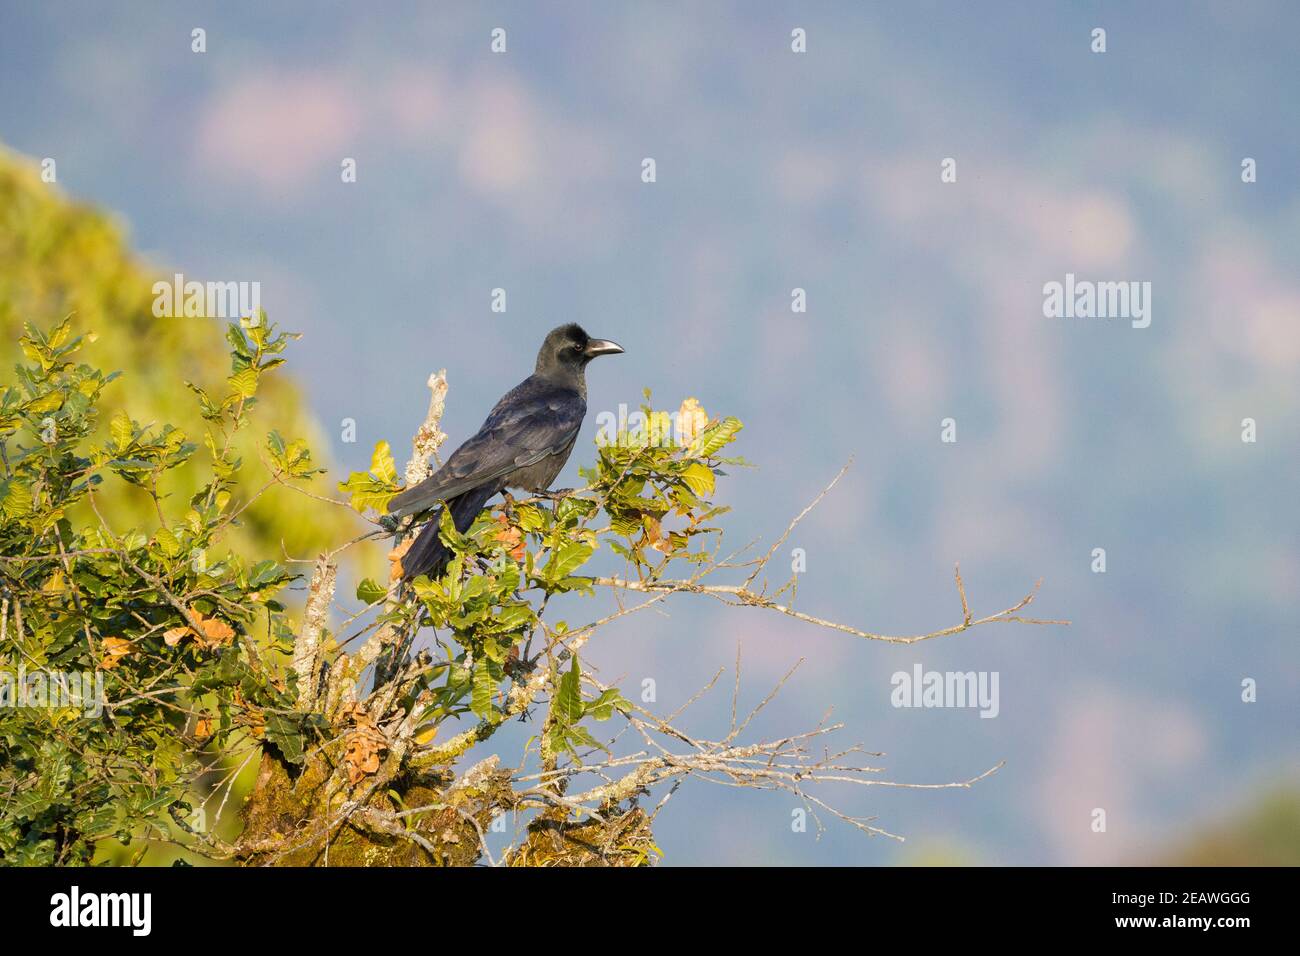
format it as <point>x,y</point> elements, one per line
<point>362,755</point>
<point>349,708</point>
<point>366,743</point>
<point>355,713</point>
<point>655,534</point>
<point>216,632</point>
<point>115,648</point>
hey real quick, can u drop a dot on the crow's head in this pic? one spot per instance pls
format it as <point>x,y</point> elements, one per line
<point>568,349</point>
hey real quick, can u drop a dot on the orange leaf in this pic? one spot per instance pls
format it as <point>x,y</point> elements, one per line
<point>174,635</point>
<point>395,556</point>
<point>216,632</point>
<point>115,648</point>
<point>511,537</point>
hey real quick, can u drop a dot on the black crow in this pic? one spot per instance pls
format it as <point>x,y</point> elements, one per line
<point>523,444</point>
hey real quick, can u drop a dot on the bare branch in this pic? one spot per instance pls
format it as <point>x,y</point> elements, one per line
<point>762,563</point>
<point>739,595</point>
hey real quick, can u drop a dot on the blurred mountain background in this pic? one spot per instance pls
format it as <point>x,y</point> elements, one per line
<point>60,258</point>
<point>775,170</point>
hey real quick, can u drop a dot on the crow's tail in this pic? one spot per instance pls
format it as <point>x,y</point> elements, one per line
<point>428,555</point>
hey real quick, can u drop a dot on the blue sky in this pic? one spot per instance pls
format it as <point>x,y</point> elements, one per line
<point>821,171</point>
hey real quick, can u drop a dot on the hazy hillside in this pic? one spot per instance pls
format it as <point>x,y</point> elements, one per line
<point>59,257</point>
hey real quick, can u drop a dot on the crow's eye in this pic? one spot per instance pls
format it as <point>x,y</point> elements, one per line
<point>577,347</point>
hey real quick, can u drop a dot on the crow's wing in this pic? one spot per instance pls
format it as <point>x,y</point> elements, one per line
<point>533,420</point>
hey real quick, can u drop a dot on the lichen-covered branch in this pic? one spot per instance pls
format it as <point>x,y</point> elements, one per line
<point>306,654</point>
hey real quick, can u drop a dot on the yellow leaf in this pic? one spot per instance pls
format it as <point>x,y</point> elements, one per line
<point>167,542</point>
<point>381,464</point>
<point>122,430</point>
<point>699,478</point>
<point>244,383</point>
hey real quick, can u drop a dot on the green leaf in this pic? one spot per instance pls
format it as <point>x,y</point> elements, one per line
<point>238,344</point>
<point>568,697</point>
<point>484,689</point>
<point>293,458</point>
<point>566,560</point>
<point>513,617</point>
<point>286,734</point>
<point>583,736</point>
<point>207,408</point>
<point>603,707</point>
<point>167,542</point>
<point>715,437</point>
<point>528,517</point>
<point>369,591</point>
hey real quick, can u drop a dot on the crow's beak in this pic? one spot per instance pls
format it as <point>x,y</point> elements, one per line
<point>602,347</point>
